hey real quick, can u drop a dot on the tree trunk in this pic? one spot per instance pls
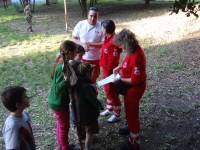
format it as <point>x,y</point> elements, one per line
<point>47,2</point>
<point>65,7</point>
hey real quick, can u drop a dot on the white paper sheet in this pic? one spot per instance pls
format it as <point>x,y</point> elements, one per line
<point>107,80</point>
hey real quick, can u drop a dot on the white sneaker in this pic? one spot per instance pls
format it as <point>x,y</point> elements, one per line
<point>106,112</point>
<point>113,119</point>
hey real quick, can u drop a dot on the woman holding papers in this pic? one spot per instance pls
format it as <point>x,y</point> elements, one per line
<point>109,59</point>
<point>133,72</point>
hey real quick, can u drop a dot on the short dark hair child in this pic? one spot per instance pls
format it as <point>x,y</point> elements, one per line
<point>11,96</point>
<point>80,49</point>
<point>80,53</point>
<point>87,104</point>
<point>17,131</point>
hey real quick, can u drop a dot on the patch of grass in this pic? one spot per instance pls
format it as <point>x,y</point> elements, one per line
<point>177,66</point>
<point>189,89</point>
<point>188,112</point>
<point>196,106</point>
<point>162,67</point>
<point>171,111</point>
<point>157,68</point>
<point>164,51</point>
<point>154,122</point>
<point>11,37</point>
<point>169,137</point>
<point>9,15</point>
<point>46,22</point>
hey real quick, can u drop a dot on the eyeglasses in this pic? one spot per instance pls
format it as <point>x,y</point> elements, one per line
<point>94,8</point>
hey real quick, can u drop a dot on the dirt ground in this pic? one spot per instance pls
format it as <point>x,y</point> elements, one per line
<point>170,108</point>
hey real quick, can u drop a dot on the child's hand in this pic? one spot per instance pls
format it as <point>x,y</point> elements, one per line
<point>58,56</point>
<point>86,46</point>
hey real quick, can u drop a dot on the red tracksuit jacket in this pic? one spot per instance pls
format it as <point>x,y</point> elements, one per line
<point>110,54</point>
<point>134,67</point>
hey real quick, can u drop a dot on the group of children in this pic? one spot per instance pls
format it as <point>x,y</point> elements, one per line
<point>83,93</point>
<point>83,96</point>
<point>71,83</point>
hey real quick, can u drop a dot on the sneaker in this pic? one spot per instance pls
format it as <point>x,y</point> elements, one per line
<point>129,146</point>
<point>124,130</point>
<point>113,119</point>
<point>106,112</point>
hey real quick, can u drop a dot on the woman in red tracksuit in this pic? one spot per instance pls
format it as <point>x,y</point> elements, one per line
<point>133,72</point>
<point>109,59</point>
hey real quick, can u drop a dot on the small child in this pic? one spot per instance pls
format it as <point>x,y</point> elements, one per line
<point>17,131</point>
<point>59,59</point>
<point>80,53</point>
<point>59,98</point>
<point>87,105</point>
<point>28,15</point>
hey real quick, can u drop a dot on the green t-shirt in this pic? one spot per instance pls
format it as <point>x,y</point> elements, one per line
<point>58,98</point>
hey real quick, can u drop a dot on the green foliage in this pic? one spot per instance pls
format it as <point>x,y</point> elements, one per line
<point>177,66</point>
<point>187,6</point>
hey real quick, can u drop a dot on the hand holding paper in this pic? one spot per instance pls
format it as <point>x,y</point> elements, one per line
<point>109,79</point>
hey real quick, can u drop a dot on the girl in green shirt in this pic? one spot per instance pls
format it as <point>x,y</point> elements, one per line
<point>58,98</point>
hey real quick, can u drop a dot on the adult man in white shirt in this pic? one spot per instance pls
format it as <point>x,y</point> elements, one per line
<point>88,33</point>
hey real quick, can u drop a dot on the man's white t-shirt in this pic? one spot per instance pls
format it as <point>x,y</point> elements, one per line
<point>86,32</point>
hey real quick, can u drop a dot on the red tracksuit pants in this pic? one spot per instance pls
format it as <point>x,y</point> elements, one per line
<point>96,69</point>
<point>131,103</point>
<point>113,100</point>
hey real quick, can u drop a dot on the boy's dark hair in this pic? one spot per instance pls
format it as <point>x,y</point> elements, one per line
<point>11,96</point>
<point>80,49</point>
<point>109,25</point>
